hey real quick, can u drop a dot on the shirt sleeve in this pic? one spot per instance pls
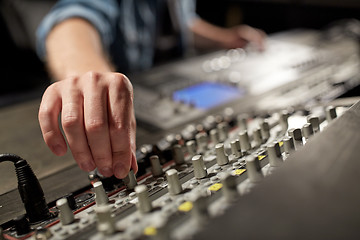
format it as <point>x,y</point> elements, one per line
<point>102,15</point>
<point>188,11</point>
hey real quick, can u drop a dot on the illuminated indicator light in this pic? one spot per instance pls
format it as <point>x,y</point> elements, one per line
<point>281,143</point>
<point>215,187</point>
<point>261,157</point>
<point>150,231</point>
<point>238,172</point>
<point>185,207</point>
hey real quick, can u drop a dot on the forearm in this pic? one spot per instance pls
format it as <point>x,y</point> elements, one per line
<point>73,48</point>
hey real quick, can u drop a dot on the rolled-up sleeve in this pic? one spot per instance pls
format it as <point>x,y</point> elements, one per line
<point>102,15</point>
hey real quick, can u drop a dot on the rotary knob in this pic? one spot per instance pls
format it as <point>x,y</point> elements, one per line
<point>66,215</point>
<point>244,141</point>
<point>221,158</point>
<point>156,168</point>
<point>174,185</point>
<point>200,170</point>
<point>100,195</point>
<point>144,204</point>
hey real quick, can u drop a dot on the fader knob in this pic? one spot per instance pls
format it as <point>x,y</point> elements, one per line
<point>214,136</point>
<point>106,223</point>
<point>223,129</point>
<point>235,148</point>
<point>191,147</point>
<point>265,130</point>
<point>244,141</point>
<point>307,130</point>
<point>330,113</point>
<point>283,120</point>
<point>156,168</point>
<point>295,133</point>
<point>253,169</point>
<point>202,141</point>
<point>130,180</point>
<point>242,122</point>
<point>144,203</point>
<point>229,189</point>
<point>288,144</point>
<point>221,158</point>
<point>257,137</point>
<point>315,123</point>
<point>200,170</point>
<point>274,154</point>
<point>100,195</point>
<point>200,209</point>
<point>174,185</point>
<point>178,154</point>
<point>66,215</point>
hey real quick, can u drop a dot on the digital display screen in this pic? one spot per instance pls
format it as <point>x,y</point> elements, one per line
<point>207,95</point>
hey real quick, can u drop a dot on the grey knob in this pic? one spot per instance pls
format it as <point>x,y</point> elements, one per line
<point>200,170</point>
<point>330,113</point>
<point>274,154</point>
<point>307,130</point>
<point>283,120</point>
<point>106,224</point>
<point>288,144</point>
<point>242,122</point>
<point>221,158</point>
<point>66,215</point>
<point>100,195</point>
<point>42,233</point>
<point>178,154</point>
<point>202,141</point>
<point>200,209</point>
<point>191,147</point>
<point>229,189</point>
<point>130,180</point>
<point>265,130</point>
<point>315,123</point>
<point>244,141</point>
<point>235,148</point>
<point>223,130</point>
<point>144,203</point>
<point>174,185</point>
<point>257,137</point>
<point>156,168</point>
<point>253,169</point>
<point>295,133</point>
<point>214,136</point>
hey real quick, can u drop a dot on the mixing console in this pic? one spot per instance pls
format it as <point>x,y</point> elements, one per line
<point>223,137</point>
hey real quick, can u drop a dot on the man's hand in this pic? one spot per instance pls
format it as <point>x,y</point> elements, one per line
<point>98,120</point>
<point>240,36</point>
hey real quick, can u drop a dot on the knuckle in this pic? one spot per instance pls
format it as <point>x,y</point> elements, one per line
<point>95,125</point>
<point>70,121</point>
<point>123,83</point>
<point>92,77</point>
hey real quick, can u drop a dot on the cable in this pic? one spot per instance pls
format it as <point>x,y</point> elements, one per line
<point>29,188</point>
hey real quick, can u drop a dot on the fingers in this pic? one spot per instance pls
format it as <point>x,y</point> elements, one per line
<point>252,35</point>
<point>48,118</point>
<point>120,124</point>
<point>96,122</point>
<point>73,124</point>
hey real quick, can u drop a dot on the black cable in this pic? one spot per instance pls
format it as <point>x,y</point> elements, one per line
<point>29,188</point>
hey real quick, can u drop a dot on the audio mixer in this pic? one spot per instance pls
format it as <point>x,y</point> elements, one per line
<point>233,122</point>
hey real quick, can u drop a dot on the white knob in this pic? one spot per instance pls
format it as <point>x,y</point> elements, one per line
<point>144,203</point>
<point>106,223</point>
<point>66,215</point>
<point>174,185</point>
<point>253,169</point>
<point>156,168</point>
<point>244,141</point>
<point>101,197</point>
<point>178,154</point>
<point>200,170</point>
<point>221,158</point>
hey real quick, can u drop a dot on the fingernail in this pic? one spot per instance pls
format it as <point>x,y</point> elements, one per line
<point>106,171</point>
<point>120,171</point>
<point>58,149</point>
<point>87,166</point>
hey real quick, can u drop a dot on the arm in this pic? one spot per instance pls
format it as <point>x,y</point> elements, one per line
<point>210,36</point>
<point>95,103</point>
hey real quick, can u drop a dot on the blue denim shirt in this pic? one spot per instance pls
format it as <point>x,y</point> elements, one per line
<point>127,27</point>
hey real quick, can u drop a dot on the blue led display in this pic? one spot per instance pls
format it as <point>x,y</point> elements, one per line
<point>207,95</point>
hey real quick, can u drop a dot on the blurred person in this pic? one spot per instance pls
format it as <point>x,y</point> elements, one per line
<point>88,45</point>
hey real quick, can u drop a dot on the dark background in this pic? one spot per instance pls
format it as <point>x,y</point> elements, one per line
<point>23,75</point>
